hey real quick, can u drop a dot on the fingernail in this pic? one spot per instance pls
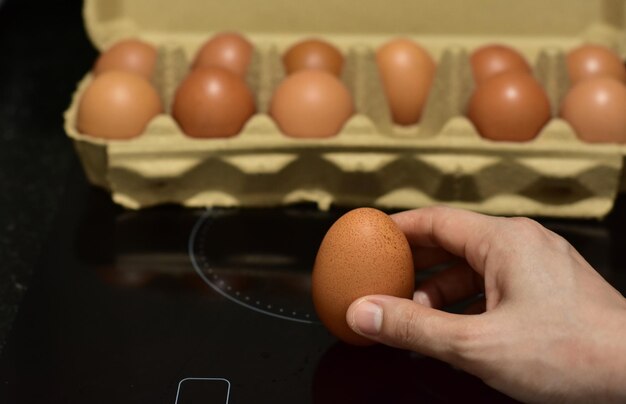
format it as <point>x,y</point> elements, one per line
<point>421,298</point>
<point>367,318</point>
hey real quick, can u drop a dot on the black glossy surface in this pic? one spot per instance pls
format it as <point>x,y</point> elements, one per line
<point>116,312</point>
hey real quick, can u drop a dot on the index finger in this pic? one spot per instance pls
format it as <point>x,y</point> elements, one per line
<point>463,233</point>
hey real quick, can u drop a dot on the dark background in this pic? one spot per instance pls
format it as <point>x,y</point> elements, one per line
<point>44,52</point>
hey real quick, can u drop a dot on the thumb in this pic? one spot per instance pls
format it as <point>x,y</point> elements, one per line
<point>405,324</point>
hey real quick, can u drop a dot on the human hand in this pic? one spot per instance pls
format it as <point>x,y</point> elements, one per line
<point>553,329</point>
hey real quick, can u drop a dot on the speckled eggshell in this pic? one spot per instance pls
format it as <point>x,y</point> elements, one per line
<point>363,253</point>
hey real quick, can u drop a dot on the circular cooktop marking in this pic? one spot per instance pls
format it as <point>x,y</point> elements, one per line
<point>276,292</point>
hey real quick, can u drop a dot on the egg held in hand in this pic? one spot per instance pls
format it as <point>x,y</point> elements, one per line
<point>363,253</point>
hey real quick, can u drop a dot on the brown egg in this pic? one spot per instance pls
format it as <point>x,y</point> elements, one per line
<point>311,103</point>
<point>407,71</point>
<point>130,55</point>
<point>313,54</point>
<point>117,105</point>
<point>212,102</point>
<point>596,109</point>
<point>510,106</point>
<point>227,50</point>
<point>490,60</point>
<point>594,60</point>
<point>363,253</point>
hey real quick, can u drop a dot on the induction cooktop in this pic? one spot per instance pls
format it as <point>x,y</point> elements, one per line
<point>172,305</point>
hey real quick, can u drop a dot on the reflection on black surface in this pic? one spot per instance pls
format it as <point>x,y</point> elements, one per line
<point>138,248</point>
<point>262,252</point>
<point>380,374</point>
<point>258,257</point>
<point>261,258</point>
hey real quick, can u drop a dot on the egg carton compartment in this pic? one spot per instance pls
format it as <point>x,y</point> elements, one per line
<point>372,161</point>
<point>363,171</point>
<point>362,168</point>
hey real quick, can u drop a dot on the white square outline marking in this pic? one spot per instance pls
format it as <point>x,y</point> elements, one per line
<point>220,379</point>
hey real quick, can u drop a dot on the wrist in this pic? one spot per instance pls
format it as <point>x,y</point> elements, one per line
<point>612,357</point>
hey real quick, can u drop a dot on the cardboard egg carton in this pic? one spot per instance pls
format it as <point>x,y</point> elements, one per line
<point>441,160</point>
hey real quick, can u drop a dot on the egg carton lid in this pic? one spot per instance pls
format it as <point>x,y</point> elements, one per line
<point>562,22</point>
